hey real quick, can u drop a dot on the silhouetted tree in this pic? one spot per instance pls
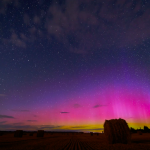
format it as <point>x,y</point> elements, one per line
<point>133,130</point>
<point>146,129</point>
<point>31,134</point>
<point>1,133</point>
<point>18,133</point>
<point>40,133</point>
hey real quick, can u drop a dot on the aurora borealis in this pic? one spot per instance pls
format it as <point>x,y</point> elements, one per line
<point>70,65</point>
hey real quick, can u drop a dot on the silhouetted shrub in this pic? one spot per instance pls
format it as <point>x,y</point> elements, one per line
<point>140,132</point>
<point>31,134</point>
<point>91,133</point>
<point>1,133</point>
<point>132,130</point>
<point>40,133</point>
<point>146,129</point>
<point>117,131</point>
<point>18,133</point>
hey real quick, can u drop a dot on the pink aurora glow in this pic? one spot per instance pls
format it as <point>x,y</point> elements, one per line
<point>127,103</point>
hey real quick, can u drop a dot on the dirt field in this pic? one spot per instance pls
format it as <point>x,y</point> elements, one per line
<point>59,141</point>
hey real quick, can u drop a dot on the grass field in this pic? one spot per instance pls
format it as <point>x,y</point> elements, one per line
<point>69,141</point>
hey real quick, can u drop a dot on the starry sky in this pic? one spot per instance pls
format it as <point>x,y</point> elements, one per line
<point>69,65</point>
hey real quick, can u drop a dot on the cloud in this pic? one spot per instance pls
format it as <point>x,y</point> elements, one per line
<point>81,127</point>
<point>23,127</point>
<point>26,19</point>
<point>96,129</point>
<point>18,123</point>
<point>3,122</point>
<point>36,19</point>
<point>100,22</point>
<point>16,126</point>
<point>64,112</point>
<point>4,5</point>
<point>86,128</point>
<point>2,95</point>
<point>4,125</point>
<point>49,127</point>
<point>32,120</point>
<point>76,105</point>
<point>21,110</point>
<point>96,106</point>
<point>85,26</point>
<point>15,40</point>
<point>6,116</point>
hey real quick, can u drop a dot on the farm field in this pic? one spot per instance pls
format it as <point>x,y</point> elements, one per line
<point>69,141</point>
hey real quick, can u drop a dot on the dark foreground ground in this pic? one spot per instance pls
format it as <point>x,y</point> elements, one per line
<point>59,141</point>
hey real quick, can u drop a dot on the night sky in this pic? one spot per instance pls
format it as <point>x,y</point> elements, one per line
<point>69,65</point>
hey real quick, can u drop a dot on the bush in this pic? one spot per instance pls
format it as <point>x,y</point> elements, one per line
<point>18,133</point>
<point>91,133</point>
<point>40,133</point>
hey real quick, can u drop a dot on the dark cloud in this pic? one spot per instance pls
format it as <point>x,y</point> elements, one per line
<point>4,5</point>
<point>19,123</point>
<point>76,105</point>
<point>96,106</point>
<point>49,127</point>
<point>86,128</point>
<point>21,110</point>
<point>84,26</point>
<point>32,120</point>
<point>12,127</point>
<point>23,127</point>
<point>16,40</point>
<point>81,127</point>
<point>96,129</point>
<point>26,19</point>
<point>2,95</point>
<point>64,112</point>
<point>36,19</point>
<point>6,116</point>
<point>88,25</point>
<point>2,122</point>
